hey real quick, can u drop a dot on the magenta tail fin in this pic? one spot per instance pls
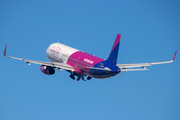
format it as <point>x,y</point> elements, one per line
<point>114,51</point>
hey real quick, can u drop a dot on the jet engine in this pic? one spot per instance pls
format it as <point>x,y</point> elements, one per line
<point>48,70</point>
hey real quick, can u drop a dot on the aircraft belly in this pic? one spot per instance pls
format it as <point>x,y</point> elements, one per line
<point>102,76</point>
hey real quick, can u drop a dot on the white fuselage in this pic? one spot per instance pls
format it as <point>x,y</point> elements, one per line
<point>58,52</point>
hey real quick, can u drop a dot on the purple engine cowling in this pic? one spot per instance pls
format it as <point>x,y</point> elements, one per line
<point>48,70</point>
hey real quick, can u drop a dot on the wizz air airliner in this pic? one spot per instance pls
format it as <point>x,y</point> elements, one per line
<point>81,64</point>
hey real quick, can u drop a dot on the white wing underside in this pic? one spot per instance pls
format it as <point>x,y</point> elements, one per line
<point>52,64</point>
<point>124,67</point>
<point>143,65</point>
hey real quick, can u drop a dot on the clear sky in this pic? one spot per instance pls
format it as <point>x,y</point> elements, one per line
<point>150,33</point>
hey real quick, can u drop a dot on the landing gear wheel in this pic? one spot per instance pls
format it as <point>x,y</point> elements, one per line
<point>79,77</point>
<point>72,76</point>
<point>88,78</point>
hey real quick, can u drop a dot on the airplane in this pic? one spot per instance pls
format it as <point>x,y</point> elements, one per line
<point>81,64</point>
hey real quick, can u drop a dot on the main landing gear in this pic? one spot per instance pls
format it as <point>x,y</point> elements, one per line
<point>72,76</point>
<point>88,78</point>
<point>79,76</point>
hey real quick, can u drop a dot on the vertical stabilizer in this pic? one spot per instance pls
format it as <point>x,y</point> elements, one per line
<point>114,51</point>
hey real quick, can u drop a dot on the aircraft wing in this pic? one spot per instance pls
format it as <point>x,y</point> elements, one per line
<point>52,64</point>
<point>143,65</point>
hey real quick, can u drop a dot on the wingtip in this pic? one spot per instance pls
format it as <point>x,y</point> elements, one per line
<point>174,55</point>
<point>118,34</point>
<point>5,50</point>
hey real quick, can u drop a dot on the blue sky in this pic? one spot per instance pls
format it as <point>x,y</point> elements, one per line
<point>150,33</point>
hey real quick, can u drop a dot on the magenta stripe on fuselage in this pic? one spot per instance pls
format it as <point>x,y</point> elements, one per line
<point>83,61</point>
<point>116,41</point>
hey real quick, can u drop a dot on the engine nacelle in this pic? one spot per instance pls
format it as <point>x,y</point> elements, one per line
<point>48,70</point>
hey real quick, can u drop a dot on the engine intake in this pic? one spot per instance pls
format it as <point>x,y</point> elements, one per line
<point>48,70</point>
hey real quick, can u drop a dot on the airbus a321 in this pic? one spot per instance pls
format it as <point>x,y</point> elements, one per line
<point>82,64</point>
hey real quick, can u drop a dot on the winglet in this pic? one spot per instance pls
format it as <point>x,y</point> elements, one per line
<point>174,55</point>
<point>5,50</point>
